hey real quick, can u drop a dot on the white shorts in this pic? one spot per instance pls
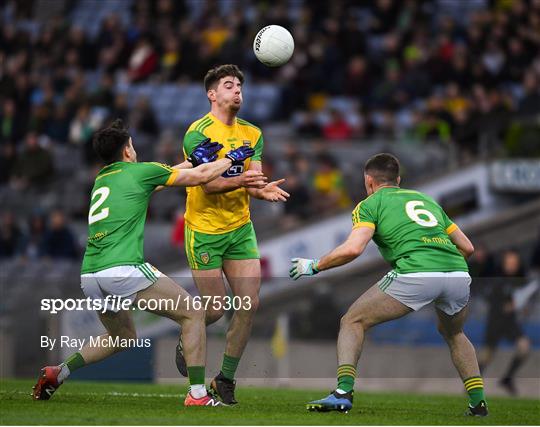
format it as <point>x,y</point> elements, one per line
<point>450,291</point>
<point>123,281</point>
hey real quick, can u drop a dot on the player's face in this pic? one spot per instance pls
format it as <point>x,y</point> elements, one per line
<point>228,94</point>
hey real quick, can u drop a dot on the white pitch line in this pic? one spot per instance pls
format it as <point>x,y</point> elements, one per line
<point>111,393</point>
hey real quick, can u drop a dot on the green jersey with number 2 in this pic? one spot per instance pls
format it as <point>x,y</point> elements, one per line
<point>411,231</point>
<point>117,213</point>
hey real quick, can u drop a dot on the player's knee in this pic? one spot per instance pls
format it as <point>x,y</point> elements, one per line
<point>253,305</point>
<point>212,316</point>
<point>196,314</point>
<point>248,307</point>
<point>448,334</point>
<point>355,320</point>
<point>523,345</point>
<point>442,331</point>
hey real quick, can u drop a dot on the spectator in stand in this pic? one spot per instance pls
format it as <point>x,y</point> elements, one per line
<point>32,246</point>
<point>170,58</point>
<point>298,206</point>
<point>358,80</point>
<point>530,103</point>
<point>482,270</point>
<point>502,321</point>
<point>104,94</point>
<point>430,127</point>
<point>306,125</point>
<point>83,126</point>
<point>11,123</point>
<point>143,61</point>
<point>337,129</point>
<point>120,109</point>
<point>10,236</point>
<point>34,166</point>
<point>167,149</point>
<point>330,192</point>
<point>465,133</point>
<point>142,118</point>
<point>8,160</point>
<point>59,240</point>
<point>58,127</point>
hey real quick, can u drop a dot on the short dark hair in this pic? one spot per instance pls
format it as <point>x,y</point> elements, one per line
<point>384,168</point>
<point>214,75</point>
<point>326,159</point>
<point>109,142</point>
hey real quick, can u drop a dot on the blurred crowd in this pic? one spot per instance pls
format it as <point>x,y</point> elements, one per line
<point>444,70</point>
<point>43,236</point>
<point>414,72</point>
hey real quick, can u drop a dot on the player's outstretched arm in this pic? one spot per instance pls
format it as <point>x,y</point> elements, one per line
<point>462,242</point>
<point>201,174</point>
<point>270,192</point>
<point>252,178</point>
<point>210,170</point>
<point>349,250</point>
<point>184,165</point>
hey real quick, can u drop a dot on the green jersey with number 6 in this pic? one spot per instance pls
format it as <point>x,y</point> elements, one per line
<point>411,231</point>
<point>117,213</point>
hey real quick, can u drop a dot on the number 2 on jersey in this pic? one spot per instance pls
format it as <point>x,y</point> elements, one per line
<point>102,193</point>
<point>414,214</point>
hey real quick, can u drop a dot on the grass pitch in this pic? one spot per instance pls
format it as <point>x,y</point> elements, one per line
<point>92,403</point>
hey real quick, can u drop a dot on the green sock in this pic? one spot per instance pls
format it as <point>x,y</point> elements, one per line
<point>229,365</point>
<point>195,374</point>
<point>475,389</point>
<point>74,362</point>
<point>345,376</point>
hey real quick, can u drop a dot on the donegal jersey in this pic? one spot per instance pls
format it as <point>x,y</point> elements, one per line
<point>411,231</point>
<point>117,213</point>
<point>221,213</point>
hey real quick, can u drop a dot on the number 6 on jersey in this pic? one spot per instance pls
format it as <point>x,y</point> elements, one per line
<point>414,214</point>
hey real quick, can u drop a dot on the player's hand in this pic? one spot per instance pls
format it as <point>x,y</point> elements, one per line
<point>205,152</point>
<point>240,154</point>
<point>273,193</point>
<point>303,267</point>
<point>253,179</point>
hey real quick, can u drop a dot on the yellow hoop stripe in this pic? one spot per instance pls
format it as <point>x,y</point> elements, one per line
<point>172,177</point>
<point>364,224</point>
<point>451,228</point>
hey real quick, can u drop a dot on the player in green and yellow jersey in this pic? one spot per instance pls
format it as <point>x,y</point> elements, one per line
<point>426,251</point>
<point>114,263</point>
<point>219,235</point>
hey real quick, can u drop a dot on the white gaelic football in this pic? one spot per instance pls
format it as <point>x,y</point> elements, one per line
<point>273,45</point>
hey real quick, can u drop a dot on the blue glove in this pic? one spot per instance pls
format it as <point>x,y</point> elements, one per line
<point>303,267</point>
<point>205,152</point>
<point>240,154</point>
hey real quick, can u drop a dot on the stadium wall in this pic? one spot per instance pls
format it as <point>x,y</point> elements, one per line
<point>312,364</point>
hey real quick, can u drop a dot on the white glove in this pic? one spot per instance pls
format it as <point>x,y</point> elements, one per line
<point>303,267</point>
